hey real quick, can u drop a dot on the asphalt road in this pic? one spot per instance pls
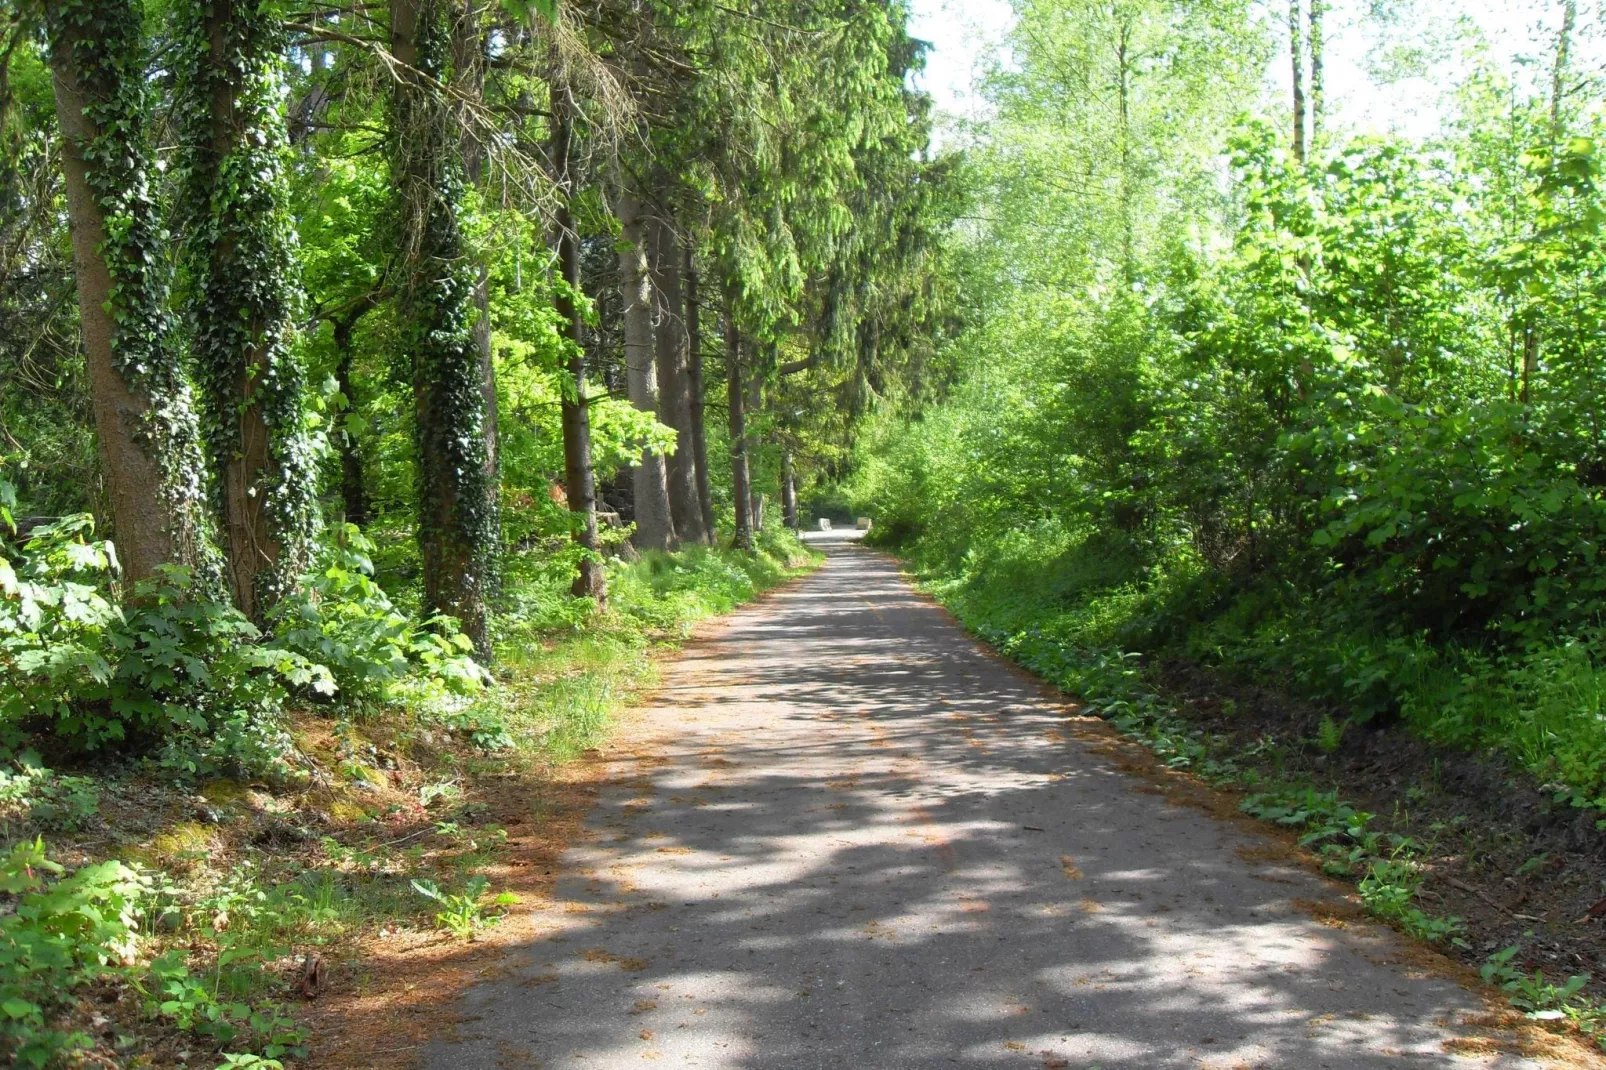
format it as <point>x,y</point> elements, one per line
<point>849,838</point>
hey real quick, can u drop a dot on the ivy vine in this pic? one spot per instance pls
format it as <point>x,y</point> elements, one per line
<point>459,526</point>
<point>242,293</point>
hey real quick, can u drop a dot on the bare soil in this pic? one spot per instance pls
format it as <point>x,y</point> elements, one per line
<point>1518,867</point>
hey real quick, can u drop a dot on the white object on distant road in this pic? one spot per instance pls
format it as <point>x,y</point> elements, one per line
<point>825,523</point>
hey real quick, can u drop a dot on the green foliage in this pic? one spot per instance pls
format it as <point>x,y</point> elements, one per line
<point>63,933</point>
<point>45,799</point>
<point>463,914</point>
<point>203,1006</point>
<point>172,668</point>
<point>1335,432</point>
<point>1533,993</point>
<point>223,1007</point>
<point>192,678</point>
<point>339,618</point>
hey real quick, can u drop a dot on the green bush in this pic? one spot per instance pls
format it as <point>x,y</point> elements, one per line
<point>171,668</point>
<point>341,619</point>
<point>178,673</point>
<point>1313,453</point>
<point>61,934</point>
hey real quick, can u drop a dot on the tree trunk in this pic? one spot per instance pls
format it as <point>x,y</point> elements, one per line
<point>146,429</point>
<point>788,489</point>
<point>240,255</point>
<point>741,487</point>
<point>468,78</point>
<point>1318,81</point>
<point>755,404</point>
<point>1297,51</point>
<point>579,479</point>
<point>1558,81</point>
<point>650,483</point>
<point>694,396</point>
<point>674,404</point>
<point>457,522</point>
<point>353,482</point>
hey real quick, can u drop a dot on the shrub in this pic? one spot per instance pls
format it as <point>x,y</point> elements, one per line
<point>60,935</point>
<point>341,619</point>
<point>173,668</point>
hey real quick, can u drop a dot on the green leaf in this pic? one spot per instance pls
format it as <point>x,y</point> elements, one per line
<point>526,9</point>
<point>19,1008</point>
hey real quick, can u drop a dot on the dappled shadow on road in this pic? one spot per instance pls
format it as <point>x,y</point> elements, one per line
<point>852,839</point>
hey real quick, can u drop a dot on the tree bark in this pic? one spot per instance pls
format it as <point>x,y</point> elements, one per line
<point>457,522</point>
<point>239,252</point>
<point>788,489</point>
<point>1558,81</point>
<point>753,404</point>
<point>741,487</point>
<point>694,395</point>
<point>145,427</point>
<point>1297,51</point>
<point>1318,81</point>
<point>649,480</point>
<point>674,402</point>
<point>579,478</point>
<point>468,76</point>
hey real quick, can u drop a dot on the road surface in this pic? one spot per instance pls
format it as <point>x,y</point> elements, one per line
<point>849,838</point>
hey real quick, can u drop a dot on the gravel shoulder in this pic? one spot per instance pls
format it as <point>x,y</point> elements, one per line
<point>845,835</point>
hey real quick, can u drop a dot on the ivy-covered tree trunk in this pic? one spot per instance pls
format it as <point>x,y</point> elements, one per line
<point>457,521</point>
<point>649,480</point>
<point>145,422</point>
<point>674,403</point>
<point>579,478</point>
<point>694,395</point>
<point>468,68</point>
<point>242,299</point>
<point>741,484</point>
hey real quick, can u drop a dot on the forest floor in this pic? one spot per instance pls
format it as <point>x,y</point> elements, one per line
<point>845,834</point>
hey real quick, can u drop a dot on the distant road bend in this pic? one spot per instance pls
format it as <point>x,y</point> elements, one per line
<point>849,838</point>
